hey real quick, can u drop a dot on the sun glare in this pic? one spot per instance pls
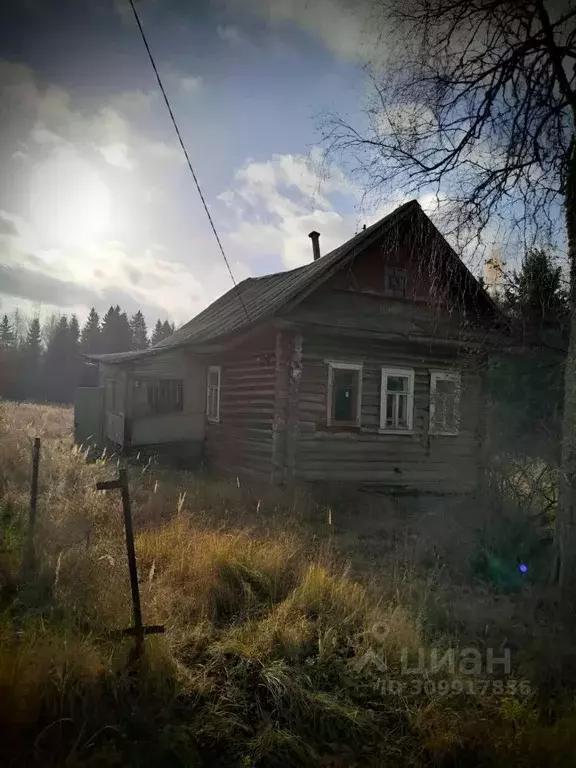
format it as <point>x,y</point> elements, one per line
<point>69,202</point>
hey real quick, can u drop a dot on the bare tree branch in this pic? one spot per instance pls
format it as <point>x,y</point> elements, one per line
<point>476,105</point>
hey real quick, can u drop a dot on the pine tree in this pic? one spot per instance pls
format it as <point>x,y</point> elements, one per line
<point>19,326</point>
<point>162,330</point>
<point>49,328</point>
<point>74,362</point>
<point>125,342</point>
<point>535,295</point>
<point>74,332</point>
<point>56,363</point>
<point>116,333</point>
<point>167,328</point>
<point>139,331</point>
<point>7,338</point>
<point>33,343</point>
<point>108,333</point>
<point>90,338</point>
<point>158,332</point>
<point>527,389</point>
<point>8,360</point>
<point>31,382</point>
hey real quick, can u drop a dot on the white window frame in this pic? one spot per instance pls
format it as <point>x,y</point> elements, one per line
<point>409,374</point>
<point>446,375</point>
<point>213,369</point>
<point>337,365</point>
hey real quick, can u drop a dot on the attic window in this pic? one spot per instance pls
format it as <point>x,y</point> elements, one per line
<point>344,394</point>
<point>395,281</point>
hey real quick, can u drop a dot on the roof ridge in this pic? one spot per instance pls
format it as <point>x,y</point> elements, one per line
<point>260,298</point>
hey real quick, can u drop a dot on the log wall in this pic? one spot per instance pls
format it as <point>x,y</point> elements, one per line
<point>415,462</point>
<point>241,442</point>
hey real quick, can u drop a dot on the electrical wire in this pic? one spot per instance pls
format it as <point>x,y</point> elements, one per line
<point>184,150</point>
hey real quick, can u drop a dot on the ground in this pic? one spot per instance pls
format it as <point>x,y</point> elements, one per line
<point>293,621</point>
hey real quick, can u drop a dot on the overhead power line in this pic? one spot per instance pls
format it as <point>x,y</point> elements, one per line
<point>184,150</point>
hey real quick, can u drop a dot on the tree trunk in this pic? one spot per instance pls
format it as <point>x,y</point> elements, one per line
<point>565,536</point>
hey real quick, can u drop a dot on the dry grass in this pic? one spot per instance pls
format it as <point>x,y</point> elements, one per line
<point>265,629</point>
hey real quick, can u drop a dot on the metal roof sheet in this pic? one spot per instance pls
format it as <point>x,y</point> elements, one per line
<point>258,298</point>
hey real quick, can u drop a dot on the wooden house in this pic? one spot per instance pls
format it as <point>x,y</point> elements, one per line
<point>364,365</point>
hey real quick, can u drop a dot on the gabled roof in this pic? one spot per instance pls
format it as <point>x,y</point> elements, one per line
<point>259,298</point>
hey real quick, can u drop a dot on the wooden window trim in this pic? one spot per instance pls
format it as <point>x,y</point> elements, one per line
<point>447,375</point>
<point>384,373</point>
<point>337,365</point>
<point>395,272</point>
<point>213,369</point>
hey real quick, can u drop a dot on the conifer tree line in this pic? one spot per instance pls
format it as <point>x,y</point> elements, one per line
<point>526,381</point>
<point>43,361</point>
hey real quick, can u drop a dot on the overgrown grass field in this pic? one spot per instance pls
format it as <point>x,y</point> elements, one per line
<point>270,608</point>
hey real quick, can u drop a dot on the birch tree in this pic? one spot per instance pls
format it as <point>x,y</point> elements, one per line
<point>474,101</point>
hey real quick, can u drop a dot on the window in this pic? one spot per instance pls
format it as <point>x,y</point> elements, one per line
<point>444,402</point>
<point>213,393</point>
<point>395,281</point>
<point>397,399</point>
<point>344,394</point>
<point>151,397</point>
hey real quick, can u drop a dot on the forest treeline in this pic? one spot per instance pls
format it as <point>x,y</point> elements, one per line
<point>44,360</point>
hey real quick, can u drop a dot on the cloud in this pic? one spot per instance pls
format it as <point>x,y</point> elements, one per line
<point>174,79</point>
<point>190,84</point>
<point>353,30</point>
<point>116,154</point>
<point>88,273</point>
<point>163,151</point>
<point>134,102</point>
<point>38,287</point>
<point>98,274</point>
<point>230,34</point>
<point>59,251</point>
<point>275,204</point>
<point>46,117</point>
<point>7,226</point>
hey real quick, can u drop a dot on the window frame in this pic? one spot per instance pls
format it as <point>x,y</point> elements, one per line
<point>338,365</point>
<point>149,383</point>
<point>445,375</point>
<point>213,369</point>
<point>386,371</point>
<point>395,272</point>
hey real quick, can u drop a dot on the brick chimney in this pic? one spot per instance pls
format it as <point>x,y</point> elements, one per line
<point>315,237</point>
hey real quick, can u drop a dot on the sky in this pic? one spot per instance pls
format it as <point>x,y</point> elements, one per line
<point>97,204</point>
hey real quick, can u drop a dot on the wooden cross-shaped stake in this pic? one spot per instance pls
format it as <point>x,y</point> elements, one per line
<point>138,631</point>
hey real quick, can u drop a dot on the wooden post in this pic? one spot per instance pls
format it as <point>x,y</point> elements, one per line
<point>131,552</point>
<point>138,630</point>
<point>28,561</point>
